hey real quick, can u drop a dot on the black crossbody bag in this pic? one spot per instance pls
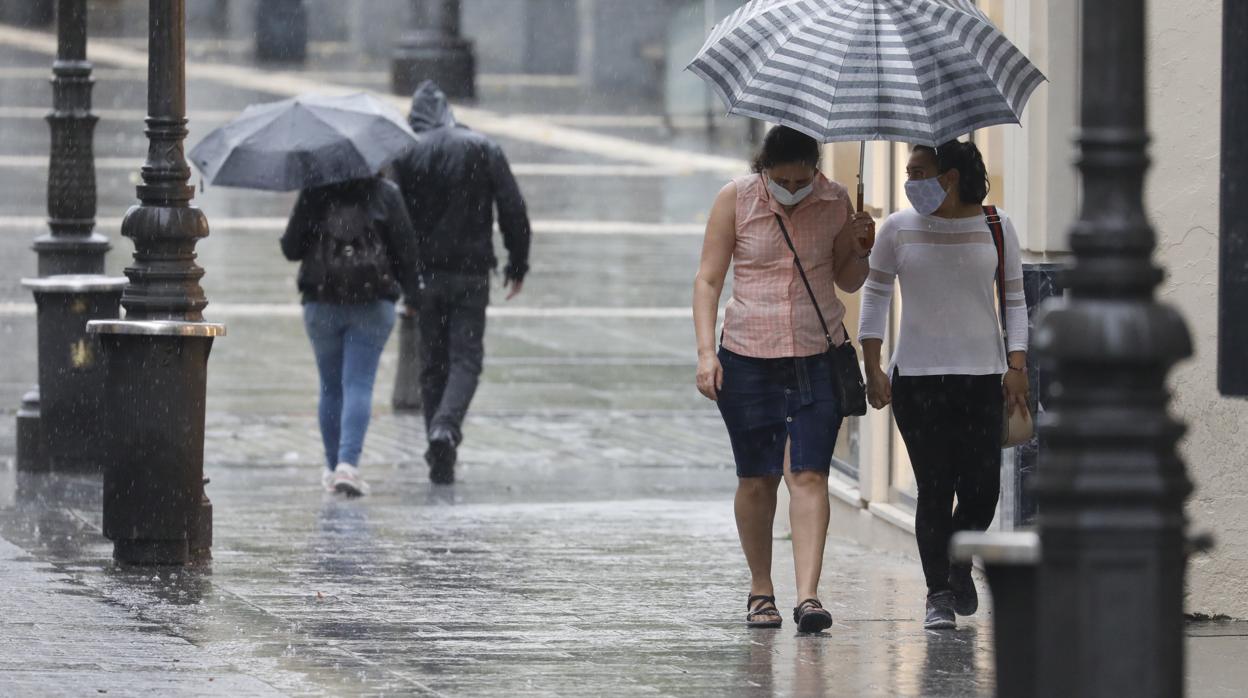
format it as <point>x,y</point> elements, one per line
<point>851,388</point>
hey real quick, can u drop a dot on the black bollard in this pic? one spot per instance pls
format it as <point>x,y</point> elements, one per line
<point>406,396</point>
<point>1111,485</point>
<point>72,397</point>
<point>29,435</point>
<point>281,31</point>
<point>433,49</point>
<point>157,358</point>
<point>1010,563</point>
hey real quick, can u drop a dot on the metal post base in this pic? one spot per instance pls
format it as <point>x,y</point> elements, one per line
<point>1011,563</point>
<point>154,477</point>
<point>151,552</point>
<point>200,543</point>
<point>406,396</point>
<point>448,61</point>
<point>29,437</point>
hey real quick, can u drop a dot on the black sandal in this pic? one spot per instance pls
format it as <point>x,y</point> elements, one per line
<point>811,617</point>
<point>767,608</point>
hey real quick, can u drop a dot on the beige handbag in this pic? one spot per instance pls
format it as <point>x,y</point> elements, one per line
<point>1017,428</point>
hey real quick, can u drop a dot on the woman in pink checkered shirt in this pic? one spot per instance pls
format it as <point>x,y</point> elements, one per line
<point>770,377</point>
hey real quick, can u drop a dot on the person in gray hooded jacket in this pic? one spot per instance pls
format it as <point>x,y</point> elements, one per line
<point>452,181</point>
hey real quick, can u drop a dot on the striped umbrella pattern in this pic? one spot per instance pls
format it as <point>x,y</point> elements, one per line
<point>915,71</point>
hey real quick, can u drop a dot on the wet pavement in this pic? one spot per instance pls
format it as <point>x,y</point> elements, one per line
<point>589,546</point>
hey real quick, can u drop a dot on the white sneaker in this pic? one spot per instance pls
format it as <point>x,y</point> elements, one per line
<point>327,480</point>
<point>347,481</point>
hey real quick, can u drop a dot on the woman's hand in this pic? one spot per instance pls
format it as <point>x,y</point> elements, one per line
<point>862,230</point>
<point>879,388</point>
<point>710,376</point>
<point>1016,389</point>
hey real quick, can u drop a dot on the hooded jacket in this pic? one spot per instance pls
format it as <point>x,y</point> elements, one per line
<point>452,181</point>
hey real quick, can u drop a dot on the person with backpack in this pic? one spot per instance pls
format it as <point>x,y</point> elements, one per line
<point>952,377</point>
<point>358,254</point>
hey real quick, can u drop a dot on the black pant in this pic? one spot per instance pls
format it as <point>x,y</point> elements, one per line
<point>452,333</point>
<point>952,428</point>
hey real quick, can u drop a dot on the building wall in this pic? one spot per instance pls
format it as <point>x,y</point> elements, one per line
<point>1184,88</point>
<point>623,34</point>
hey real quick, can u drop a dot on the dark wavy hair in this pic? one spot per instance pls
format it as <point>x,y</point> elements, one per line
<point>784,146</point>
<point>963,156</point>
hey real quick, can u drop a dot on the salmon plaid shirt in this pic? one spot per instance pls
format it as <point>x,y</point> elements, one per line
<point>770,314</point>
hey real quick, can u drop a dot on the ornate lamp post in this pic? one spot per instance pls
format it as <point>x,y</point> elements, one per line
<point>55,432</point>
<point>434,50</point>
<point>72,246</point>
<point>157,357</point>
<point>1111,486</point>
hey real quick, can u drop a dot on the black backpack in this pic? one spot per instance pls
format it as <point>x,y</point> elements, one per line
<point>349,263</point>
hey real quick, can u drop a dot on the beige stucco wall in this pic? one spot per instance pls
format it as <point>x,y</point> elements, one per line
<point>1184,88</point>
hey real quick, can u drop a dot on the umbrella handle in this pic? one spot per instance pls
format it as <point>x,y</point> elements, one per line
<point>862,164</point>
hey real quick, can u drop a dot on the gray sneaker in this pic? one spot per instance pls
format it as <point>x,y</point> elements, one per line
<point>965,597</point>
<point>347,481</point>
<point>940,612</point>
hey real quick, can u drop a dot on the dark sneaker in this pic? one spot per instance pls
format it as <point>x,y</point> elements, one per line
<point>965,597</point>
<point>940,612</point>
<point>441,457</point>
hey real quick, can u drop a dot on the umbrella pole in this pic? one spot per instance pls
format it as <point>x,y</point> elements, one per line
<point>862,162</point>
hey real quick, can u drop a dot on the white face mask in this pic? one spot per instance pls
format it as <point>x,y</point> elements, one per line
<point>926,195</point>
<point>786,197</point>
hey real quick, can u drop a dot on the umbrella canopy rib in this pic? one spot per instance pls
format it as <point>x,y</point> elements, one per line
<point>923,71</point>
<point>307,141</point>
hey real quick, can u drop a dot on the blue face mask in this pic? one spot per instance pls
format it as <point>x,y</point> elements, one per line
<point>786,197</point>
<point>926,195</point>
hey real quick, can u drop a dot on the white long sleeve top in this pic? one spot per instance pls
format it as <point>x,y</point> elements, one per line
<point>947,270</point>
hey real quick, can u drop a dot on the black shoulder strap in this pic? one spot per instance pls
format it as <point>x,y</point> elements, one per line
<point>810,291</point>
<point>998,239</point>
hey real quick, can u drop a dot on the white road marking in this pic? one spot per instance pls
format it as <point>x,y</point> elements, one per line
<point>134,115</point>
<point>350,76</point>
<point>276,224</point>
<point>294,310</point>
<point>289,84</point>
<point>521,169</point>
<point>374,77</point>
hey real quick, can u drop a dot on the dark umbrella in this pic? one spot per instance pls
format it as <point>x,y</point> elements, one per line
<point>307,141</point>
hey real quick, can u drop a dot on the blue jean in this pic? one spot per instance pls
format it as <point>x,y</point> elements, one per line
<point>768,402</point>
<point>347,341</point>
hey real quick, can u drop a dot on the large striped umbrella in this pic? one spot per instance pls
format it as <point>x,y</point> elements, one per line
<point>916,71</point>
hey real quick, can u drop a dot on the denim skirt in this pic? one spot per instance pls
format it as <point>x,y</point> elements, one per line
<point>766,402</point>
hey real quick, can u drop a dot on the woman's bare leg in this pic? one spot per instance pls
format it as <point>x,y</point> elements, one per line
<point>755,506</point>
<point>809,513</point>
